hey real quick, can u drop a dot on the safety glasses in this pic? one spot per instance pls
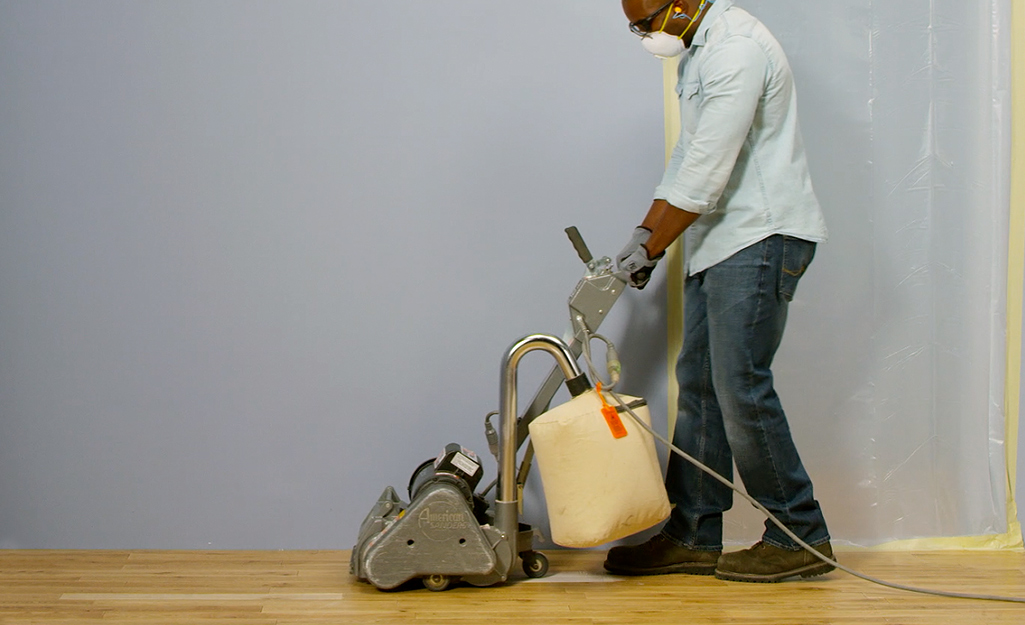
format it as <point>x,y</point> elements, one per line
<point>643,27</point>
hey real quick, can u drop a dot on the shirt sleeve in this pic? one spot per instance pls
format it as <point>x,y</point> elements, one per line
<point>732,80</point>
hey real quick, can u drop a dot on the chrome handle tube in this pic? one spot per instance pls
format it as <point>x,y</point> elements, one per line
<point>507,501</point>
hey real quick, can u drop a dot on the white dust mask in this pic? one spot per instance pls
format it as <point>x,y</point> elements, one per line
<point>663,45</point>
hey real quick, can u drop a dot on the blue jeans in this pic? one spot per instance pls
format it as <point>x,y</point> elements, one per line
<point>734,317</point>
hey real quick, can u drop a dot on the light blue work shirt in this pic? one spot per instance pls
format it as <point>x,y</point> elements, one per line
<point>740,160</point>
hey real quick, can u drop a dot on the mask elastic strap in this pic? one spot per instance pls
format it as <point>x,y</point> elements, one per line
<point>665,22</point>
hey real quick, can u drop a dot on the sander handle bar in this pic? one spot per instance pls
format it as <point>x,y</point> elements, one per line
<point>589,303</point>
<point>579,245</point>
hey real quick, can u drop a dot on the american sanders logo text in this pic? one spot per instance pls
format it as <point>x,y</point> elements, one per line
<point>442,520</point>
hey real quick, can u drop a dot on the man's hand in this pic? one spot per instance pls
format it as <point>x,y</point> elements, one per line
<point>639,237</point>
<point>639,266</point>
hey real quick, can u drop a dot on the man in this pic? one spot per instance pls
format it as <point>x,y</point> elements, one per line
<point>738,183</point>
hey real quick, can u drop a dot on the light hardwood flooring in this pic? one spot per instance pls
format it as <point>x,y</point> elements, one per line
<point>266,587</point>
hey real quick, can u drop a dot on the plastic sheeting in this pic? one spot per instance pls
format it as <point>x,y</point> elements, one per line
<point>893,370</point>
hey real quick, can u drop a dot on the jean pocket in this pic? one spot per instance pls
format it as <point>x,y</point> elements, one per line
<point>797,255</point>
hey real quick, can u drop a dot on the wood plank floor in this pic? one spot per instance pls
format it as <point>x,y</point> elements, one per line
<point>54,587</point>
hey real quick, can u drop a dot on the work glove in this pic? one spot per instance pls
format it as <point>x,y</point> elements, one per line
<point>638,238</point>
<point>639,267</point>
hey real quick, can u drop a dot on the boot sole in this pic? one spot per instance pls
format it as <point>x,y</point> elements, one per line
<point>688,568</point>
<point>812,570</point>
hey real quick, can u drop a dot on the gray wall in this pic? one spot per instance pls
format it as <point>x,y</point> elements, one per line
<point>259,259</point>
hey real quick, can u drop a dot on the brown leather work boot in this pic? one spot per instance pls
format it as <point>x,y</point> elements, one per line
<point>658,556</point>
<point>765,563</point>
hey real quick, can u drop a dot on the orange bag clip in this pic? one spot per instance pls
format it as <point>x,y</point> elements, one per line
<point>611,417</point>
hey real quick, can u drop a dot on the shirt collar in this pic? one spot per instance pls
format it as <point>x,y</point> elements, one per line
<point>718,8</point>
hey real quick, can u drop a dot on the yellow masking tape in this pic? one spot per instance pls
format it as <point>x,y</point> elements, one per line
<point>1015,260</point>
<point>674,255</point>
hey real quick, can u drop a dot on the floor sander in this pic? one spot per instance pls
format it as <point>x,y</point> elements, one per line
<point>448,532</point>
